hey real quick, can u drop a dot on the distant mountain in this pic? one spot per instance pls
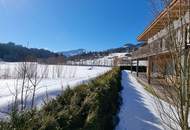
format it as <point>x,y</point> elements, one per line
<point>126,48</point>
<point>128,45</point>
<point>132,47</point>
<point>15,53</point>
<point>73,52</point>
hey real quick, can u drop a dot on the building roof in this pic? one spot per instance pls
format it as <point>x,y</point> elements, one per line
<point>170,13</point>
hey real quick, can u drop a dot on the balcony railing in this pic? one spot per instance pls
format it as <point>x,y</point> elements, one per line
<point>151,49</point>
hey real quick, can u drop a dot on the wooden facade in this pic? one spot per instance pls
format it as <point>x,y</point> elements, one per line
<point>171,12</point>
<point>156,47</point>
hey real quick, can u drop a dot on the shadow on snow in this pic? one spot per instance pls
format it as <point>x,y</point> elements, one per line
<point>134,115</point>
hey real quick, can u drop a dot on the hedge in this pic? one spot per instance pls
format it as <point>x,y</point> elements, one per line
<point>90,106</point>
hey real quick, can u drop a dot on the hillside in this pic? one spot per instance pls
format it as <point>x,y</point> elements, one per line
<point>126,48</point>
<point>11,52</point>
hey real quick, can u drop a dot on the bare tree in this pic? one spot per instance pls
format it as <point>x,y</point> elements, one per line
<point>174,67</point>
<point>22,73</point>
<point>35,78</point>
<point>59,70</point>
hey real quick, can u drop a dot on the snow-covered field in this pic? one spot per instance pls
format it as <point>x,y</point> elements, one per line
<point>104,61</point>
<point>140,110</point>
<point>52,80</point>
<point>109,60</point>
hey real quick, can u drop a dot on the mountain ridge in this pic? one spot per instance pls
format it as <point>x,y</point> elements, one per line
<point>73,52</point>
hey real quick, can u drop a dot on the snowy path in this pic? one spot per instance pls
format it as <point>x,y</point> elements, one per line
<point>137,112</point>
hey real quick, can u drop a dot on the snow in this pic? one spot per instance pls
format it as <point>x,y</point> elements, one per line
<point>51,85</point>
<point>104,61</point>
<point>139,110</point>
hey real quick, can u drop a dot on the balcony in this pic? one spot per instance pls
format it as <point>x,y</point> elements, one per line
<point>154,48</point>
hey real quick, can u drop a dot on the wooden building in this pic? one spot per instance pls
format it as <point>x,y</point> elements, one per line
<point>156,49</point>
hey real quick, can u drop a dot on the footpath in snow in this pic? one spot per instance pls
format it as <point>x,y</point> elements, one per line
<point>137,112</point>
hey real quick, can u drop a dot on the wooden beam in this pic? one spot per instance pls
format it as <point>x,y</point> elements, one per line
<point>163,18</point>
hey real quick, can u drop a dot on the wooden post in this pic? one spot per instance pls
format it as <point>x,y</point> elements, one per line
<point>149,68</point>
<point>137,68</point>
<point>131,66</point>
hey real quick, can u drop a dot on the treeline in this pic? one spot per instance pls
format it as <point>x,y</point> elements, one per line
<point>91,106</point>
<point>11,52</point>
<point>88,56</point>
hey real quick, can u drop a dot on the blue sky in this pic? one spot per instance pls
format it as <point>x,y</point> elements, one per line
<point>60,25</point>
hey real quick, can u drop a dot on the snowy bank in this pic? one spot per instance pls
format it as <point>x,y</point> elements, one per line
<point>139,109</point>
